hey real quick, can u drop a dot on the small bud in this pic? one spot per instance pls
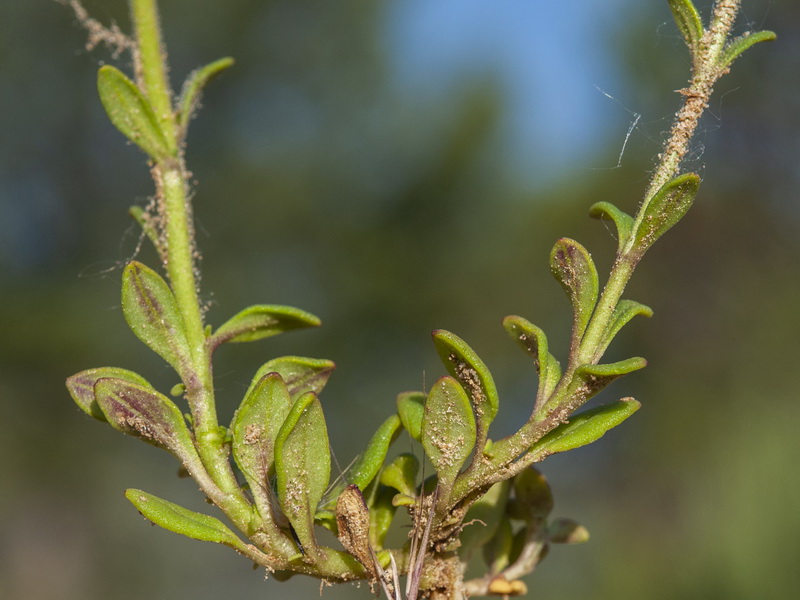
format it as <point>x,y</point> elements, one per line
<point>352,517</point>
<point>567,531</point>
<point>501,587</point>
<point>573,267</point>
<point>533,494</point>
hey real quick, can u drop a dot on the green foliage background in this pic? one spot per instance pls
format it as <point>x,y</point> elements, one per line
<point>323,185</point>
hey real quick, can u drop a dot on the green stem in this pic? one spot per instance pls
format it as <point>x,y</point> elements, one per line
<point>511,451</point>
<point>178,233</point>
<point>620,275</point>
<point>705,73</point>
<point>151,71</point>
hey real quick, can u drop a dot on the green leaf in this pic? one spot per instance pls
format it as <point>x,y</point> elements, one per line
<point>623,313</point>
<point>610,371</point>
<point>572,265</point>
<point>178,519</point>
<point>338,561</point>
<point>370,462</point>
<point>131,113</point>
<point>534,342</point>
<point>410,408</point>
<point>262,321</point>
<point>588,380</point>
<point>471,372</point>
<point>738,45</point>
<point>448,429</point>
<point>152,314</point>
<point>497,552</point>
<point>381,513</point>
<point>300,374</point>
<point>665,209</point>
<point>404,500</point>
<point>401,474</point>
<point>193,88</point>
<point>303,467</point>
<point>585,428</point>
<point>622,220</point>
<point>81,387</point>
<point>142,412</point>
<point>567,531</point>
<point>255,427</point>
<point>485,516</point>
<point>521,540</point>
<point>534,498</point>
<point>689,23</point>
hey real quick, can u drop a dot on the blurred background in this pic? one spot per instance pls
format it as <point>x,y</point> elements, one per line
<point>395,167</point>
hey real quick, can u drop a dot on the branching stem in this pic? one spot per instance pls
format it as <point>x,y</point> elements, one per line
<point>705,73</point>
<point>433,568</point>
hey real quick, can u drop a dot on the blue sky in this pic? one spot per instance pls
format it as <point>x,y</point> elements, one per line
<point>552,56</point>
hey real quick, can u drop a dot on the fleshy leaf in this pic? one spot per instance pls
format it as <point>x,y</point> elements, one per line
<point>193,88</point>
<point>485,514</point>
<point>81,387</point>
<point>497,552</point>
<point>178,519</point>
<point>736,46</point>
<point>533,496</point>
<point>622,220</point>
<point>586,427</point>
<point>381,513</point>
<point>152,314</point>
<point>448,429</point>
<point>370,462</point>
<point>572,265</point>
<point>401,474</point>
<point>410,408</point>
<point>262,321</point>
<point>521,539</point>
<point>534,342</point>
<point>567,531</point>
<point>689,23</point>
<point>300,374</point>
<point>339,561</point>
<point>611,371</point>
<point>130,112</point>
<point>665,209</point>
<point>623,313</point>
<point>471,372</point>
<point>255,427</point>
<point>303,467</point>
<point>367,465</point>
<point>142,412</point>
<point>589,380</point>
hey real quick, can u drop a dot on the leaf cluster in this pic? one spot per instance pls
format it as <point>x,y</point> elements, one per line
<point>269,469</point>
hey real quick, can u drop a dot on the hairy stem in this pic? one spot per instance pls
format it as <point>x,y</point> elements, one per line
<point>150,64</point>
<point>178,232</point>
<point>705,73</point>
<point>512,450</point>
